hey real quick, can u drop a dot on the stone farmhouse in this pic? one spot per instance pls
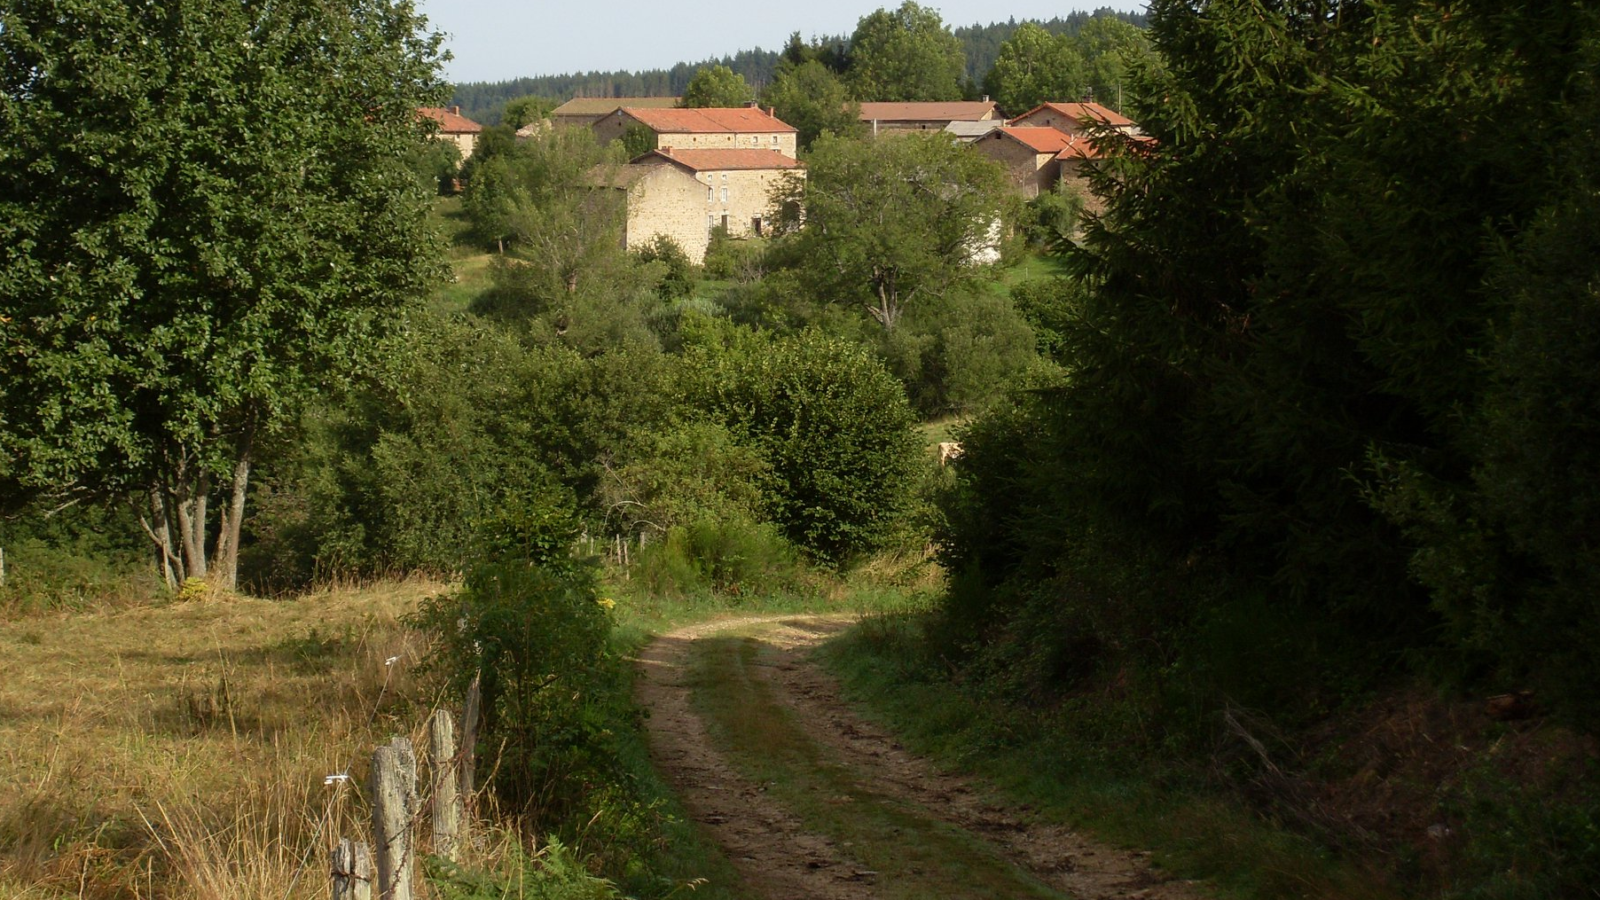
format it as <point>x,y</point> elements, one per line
<point>661,200</point>
<point>454,127</point>
<point>733,190</point>
<point>1031,155</point>
<point>585,111</point>
<point>715,128</point>
<point>882,118</point>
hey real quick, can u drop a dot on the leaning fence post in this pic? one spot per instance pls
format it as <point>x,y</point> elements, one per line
<point>446,800</point>
<point>394,799</point>
<point>469,738</point>
<point>352,871</point>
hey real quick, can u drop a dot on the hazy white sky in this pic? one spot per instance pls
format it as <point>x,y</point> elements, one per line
<point>495,40</point>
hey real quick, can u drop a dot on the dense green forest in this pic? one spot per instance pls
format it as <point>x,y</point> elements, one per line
<point>1299,431</point>
<point>980,47</point>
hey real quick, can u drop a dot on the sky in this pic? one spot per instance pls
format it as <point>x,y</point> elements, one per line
<point>498,40</point>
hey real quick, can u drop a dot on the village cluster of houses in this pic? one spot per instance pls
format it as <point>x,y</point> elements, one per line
<point>717,168</point>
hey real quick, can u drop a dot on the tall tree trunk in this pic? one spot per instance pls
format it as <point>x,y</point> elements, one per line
<point>159,529</point>
<point>192,496</point>
<point>226,574</point>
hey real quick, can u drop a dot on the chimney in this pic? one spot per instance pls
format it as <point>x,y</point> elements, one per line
<point>772,111</point>
<point>456,110</point>
<point>752,104</point>
<point>986,98</point>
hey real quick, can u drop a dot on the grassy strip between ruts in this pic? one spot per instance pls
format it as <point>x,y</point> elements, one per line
<point>913,853</point>
<point>1192,834</point>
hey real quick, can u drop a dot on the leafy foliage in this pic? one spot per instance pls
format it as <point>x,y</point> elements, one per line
<point>889,221</point>
<point>1035,66</point>
<point>813,99</point>
<point>230,227</point>
<point>1320,362</point>
<point>716,86</point>
<point>906,54</point>
<point>831,424</point>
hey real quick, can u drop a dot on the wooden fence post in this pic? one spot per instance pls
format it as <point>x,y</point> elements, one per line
<point>446,799</point>
<point>352,871</point>
<point>469,738</point>
<point>394,800</point>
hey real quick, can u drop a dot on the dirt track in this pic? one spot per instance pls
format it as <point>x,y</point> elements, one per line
<point>770,844</point>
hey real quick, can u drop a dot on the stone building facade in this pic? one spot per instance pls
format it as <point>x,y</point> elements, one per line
<point>733,189</point>
<point>454,127</point>
<point>1030,156</point>
<point>662,200</point>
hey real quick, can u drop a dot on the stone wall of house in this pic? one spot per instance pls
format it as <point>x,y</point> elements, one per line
<point>738,198</point>
<point>1029,172</point>
<point>464,142</point>
<point>612,127</point>
<point>1075,177</point>
<point>668,201</point>
<point>783,142</point>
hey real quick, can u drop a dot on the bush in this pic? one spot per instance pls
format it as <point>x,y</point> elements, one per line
<point>833,425</point>
<point>678,273</point>
<point>734,557</point>
<point>734,260</point>
<point>531,626</point>
<point>82,556</point>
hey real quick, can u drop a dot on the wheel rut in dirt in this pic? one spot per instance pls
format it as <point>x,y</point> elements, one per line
<point>809,800</point>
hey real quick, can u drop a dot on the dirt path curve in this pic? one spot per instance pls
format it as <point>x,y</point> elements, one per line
<point>767,843</point>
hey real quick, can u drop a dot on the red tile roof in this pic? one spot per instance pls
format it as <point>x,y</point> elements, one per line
<point>958,111</point>
<point>451,121</point>
<point>1078,111</point>
<point>1041,140</point>
<point>1079,148</point>
<point>711,120</point>
<point>722,160</point>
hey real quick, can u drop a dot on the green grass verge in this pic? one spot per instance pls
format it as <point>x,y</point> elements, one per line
<point>1149,805</point>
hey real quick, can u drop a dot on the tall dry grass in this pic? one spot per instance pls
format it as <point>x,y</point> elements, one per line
<point>180,751</point>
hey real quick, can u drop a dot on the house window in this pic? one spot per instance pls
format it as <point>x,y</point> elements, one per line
<point>724,194</point>
<point>711,193</point>
<point>755,140</point>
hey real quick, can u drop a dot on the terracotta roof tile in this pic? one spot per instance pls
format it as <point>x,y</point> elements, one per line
<point>1092,111</point>
<point>1041,140</point>
<point>722,160</point>
<point>711,120</point>
<point>450,120</point>
<point>964,110</point>
<point>1079,148</point>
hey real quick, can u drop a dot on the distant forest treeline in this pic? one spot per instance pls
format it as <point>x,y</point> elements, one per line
<point>484,100</point>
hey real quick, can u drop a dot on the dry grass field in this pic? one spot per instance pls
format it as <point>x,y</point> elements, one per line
<point>180,750</point>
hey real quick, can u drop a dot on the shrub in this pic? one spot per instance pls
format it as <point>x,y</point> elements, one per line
<point>723,556</point>
<point>678,275</point>
<point>830,421</point>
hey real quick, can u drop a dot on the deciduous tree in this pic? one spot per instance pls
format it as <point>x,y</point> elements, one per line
<point>206,217</point>
<point>813,99</point>
<point>1035,66</point>
<point>717,86</point>
<point>905,55</point>
<point>890,220</point>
